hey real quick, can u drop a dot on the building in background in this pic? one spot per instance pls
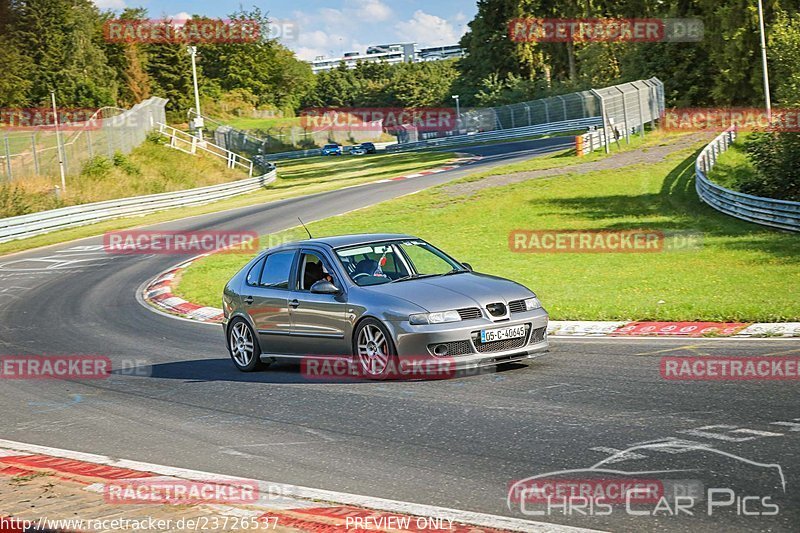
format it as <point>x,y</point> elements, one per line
<point>389,53</point>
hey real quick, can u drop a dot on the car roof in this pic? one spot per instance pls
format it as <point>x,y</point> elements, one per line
<point>338,241</point>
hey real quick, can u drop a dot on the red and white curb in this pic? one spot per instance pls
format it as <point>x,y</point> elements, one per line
<point>159,294</point>
<point>454,165</point>
<point>294,506</point>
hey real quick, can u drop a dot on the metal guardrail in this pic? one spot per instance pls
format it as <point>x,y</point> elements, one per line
<point>781,214</point>
<point>539,129</point>
<point>24,226</point>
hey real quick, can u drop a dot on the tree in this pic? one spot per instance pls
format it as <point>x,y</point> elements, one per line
<point>784,59</point>
<point>61,39</point>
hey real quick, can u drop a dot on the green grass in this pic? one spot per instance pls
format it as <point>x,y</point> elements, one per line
<point>733,167</point>
<point>350,170</point>
<point>296,178</point>
<point>741,272</point>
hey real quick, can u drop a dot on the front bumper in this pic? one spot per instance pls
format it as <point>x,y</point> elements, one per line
<point>462,338</point>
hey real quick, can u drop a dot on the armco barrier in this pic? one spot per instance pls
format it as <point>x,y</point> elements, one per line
<point>539,129</point>
<point>780,214</point>
<point>68,217</point>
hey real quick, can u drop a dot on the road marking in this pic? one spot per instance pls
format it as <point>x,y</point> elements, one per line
<point>793,426</point>
<point>305,493</point>
<point>705,433</point>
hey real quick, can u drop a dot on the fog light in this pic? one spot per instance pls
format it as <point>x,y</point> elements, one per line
<point>440,350</point>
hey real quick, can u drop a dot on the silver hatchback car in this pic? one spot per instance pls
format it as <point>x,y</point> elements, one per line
<point>373,300</point>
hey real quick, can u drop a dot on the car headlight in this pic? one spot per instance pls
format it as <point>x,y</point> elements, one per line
<point>532,303</point>
<point>434,318</point>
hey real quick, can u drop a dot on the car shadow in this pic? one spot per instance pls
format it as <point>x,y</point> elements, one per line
<point>203,370</point>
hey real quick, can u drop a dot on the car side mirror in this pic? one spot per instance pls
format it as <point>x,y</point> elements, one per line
<point>324,286</point>
<point>467,266</point>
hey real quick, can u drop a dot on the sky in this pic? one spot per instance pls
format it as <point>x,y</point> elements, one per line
<point>314,28</point>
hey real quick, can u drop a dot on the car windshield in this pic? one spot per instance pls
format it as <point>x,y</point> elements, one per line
<point>331,146</point>
<point>385,262</point>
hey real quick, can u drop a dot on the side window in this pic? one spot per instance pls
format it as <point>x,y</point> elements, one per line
<point>277,270</point>
<point>255,273</point>
<point>312,268</point>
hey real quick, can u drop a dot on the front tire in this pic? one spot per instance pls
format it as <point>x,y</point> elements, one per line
<point>374,350</point>
<point>243,346</point>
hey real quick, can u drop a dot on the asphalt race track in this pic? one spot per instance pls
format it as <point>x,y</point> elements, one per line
<point>456,443</point>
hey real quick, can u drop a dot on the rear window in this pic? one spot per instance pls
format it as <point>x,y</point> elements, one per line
<point>277,270</point>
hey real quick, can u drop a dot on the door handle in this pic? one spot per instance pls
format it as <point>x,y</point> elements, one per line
<point>248,300</point>
<point>294,304</point>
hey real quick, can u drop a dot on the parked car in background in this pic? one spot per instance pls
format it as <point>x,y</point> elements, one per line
<point>331,149</point>
<point>369,148</point>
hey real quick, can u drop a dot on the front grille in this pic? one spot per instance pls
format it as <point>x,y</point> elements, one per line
<point>500,346</point>
<point>468,313</point>
<point>453,348</point>
<point>538,335</point>
<point>517,306</point>
<point>497,309</point>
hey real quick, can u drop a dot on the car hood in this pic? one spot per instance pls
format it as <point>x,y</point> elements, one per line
<point>443,293</point>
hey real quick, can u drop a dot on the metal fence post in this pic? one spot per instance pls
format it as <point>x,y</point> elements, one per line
<point>35,154</point>
<point>563,104</point>
<point>641,110</point>
<point>604,119</point>
<point>89,144</point>
<point>625,116</point>
<point>8,159</point>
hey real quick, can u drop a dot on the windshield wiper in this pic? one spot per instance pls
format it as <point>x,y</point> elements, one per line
<point>412,276</point>
<point>454,271</point>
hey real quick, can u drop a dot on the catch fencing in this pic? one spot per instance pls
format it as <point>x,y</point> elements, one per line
<point>35,152</point>
<point>627,107</point>
<point>781,214</point>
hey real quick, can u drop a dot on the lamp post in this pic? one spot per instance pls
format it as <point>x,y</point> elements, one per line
<point>764,59</point>
<point>458,113</point>
<point>59,148</point>
<point>198,121</point>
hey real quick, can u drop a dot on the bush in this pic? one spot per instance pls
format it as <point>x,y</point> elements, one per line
<point>122,162</point>
<point>155,138</point>
<point>12,201</point>
<point>776,159</point>
<point>97,167</point>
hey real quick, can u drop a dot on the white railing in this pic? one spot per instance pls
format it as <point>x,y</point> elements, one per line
<point>781,214</point>
<point>25,226</point>
<point>186,142</point>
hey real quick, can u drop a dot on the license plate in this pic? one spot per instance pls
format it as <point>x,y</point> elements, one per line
<point>502,334</point>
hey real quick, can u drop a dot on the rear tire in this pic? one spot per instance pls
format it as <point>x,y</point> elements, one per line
<point>374,351</point>
<point>243,346</point>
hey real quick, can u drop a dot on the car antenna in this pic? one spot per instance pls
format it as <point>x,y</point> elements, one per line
<point>305,228</point>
